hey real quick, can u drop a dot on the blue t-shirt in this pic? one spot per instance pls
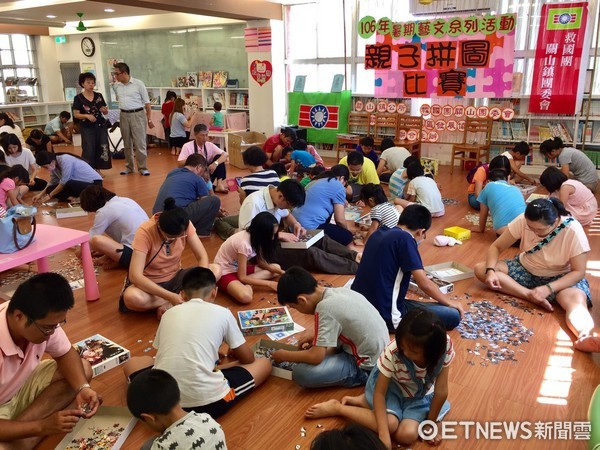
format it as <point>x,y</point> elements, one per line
<point>504,201</point>
<point>177,128</point>
<point>183,185</point>
<point>321,195</point>
<point>303,158</point>
<point>391,254</point>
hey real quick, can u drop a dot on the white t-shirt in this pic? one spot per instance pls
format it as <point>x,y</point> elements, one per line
<point>119,218</point>
<point>25,158</point>
<point>427,193</point>
<point>16,130</point>
<point>394,157</point>
<point>258,202</point>
<point>227,256</point>
<point>188,341</point>
<point>507,154</point>
<point>553,259</point>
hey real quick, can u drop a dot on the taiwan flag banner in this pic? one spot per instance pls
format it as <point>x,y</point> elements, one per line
<point>562,48</point>
<point>324,115</point>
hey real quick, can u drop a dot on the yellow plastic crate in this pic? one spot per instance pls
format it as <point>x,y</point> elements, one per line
<point>458,233</point>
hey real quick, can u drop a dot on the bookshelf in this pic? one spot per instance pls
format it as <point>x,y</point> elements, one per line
<point>202,99</point>
<point>34,115</point>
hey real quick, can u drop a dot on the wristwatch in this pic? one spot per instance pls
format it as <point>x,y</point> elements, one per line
<point>216,163</point>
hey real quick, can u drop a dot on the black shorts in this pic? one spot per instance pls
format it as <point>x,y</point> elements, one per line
<point>125,258</point>
<point>177,141</point>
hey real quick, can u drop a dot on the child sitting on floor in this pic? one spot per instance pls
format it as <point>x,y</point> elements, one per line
<point>237,274</point>
<point>312,174</point>
<point>163,414</point>
<point>423,190</point>
<point>517,156</point>
<point>398,179</point>
<point>301,144</point>
<point>408,386</point>
<point>300,161</point>
<point>348,338</point>
<point>383,213</point>
<point>13,184</point>
<point>280,170</point>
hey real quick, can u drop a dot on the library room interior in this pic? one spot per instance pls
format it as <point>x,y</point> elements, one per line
<point>372,223</point>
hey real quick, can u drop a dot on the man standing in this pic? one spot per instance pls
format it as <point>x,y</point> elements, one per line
<point>187,186</point>
<point>134,104</point>
<point>35,393</point>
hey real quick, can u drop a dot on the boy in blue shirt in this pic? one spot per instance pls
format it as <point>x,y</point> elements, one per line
<point>300,160</point>
<point>390,257</point>
<point>502,200</point>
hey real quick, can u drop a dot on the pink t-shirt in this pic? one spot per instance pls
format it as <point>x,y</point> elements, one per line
<point>208,150</point>
<point>227,256</point>
<point>8,184</point>
<point>582,203</point>
<point>15,365</point>
<point>554,258</point>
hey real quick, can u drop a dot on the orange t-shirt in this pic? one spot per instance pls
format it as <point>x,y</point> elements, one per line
<point>148,240</point>
<point>480,175</point>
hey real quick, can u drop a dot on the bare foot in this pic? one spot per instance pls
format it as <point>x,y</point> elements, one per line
<point>588,344</point>
<point>162,309</point>
<point>544,304</point>
<point>326,409</point>
<point>359,400</point>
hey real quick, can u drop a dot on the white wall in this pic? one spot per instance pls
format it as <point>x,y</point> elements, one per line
<point>51,54</point>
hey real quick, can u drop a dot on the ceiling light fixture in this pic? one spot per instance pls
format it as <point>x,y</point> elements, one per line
<point>109,10</point>
<point>51,16</point>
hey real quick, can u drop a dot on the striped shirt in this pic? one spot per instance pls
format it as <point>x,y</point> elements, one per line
<point>391,366</point>
<point>397,183</point>
<point>386,214</point>
<point>258,180</point>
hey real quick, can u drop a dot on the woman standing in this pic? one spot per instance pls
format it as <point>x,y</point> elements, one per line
<point>166,110</point>
<point>89,107</point>
<point>178,123</point>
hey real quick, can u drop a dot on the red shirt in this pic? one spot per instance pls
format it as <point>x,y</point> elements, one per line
<point>167,109</point>
<point>271,143</point>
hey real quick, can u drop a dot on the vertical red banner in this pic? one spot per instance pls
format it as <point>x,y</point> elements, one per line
<point>558,58</point>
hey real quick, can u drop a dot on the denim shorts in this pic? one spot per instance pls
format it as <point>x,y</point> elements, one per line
<point>415,408</point>
<point>522,276</point>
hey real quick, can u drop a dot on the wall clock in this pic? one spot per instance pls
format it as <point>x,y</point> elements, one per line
<point>88,47</point>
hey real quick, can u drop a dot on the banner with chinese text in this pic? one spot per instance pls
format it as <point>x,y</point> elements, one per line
<point>323,114</point>
<point>561,48</point>
<point>456,57</point>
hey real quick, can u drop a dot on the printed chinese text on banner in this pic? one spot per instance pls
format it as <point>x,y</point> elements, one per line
<point>324,115</point>
<point>455,57</point>
<point>557,83</point>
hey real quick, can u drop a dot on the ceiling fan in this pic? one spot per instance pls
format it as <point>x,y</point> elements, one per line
<point>81,26</point>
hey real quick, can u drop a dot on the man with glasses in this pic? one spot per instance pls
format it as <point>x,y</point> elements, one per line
<point>188,188</point>
<point>39,398</point>
<point>136,116</point>
<point>391,257</point>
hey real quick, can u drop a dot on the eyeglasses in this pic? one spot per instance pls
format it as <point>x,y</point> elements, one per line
<point>47,330</point>
<point>118,73</point>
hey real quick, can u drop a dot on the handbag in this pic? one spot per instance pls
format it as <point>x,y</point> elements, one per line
<point>17,228</point>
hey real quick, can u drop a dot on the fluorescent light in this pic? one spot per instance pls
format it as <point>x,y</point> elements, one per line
<point>177,45</point>
<point>51,16</point>
<point>109,10</point>
<point>236,37</point>
<point>192,30</point>
<point>109,43</point>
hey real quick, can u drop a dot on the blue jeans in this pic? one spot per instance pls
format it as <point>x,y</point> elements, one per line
<point>335,370</point>
<point>473,203</point>
<point>450,316</point>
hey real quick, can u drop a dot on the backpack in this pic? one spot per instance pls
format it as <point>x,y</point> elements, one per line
<point>471,173</point>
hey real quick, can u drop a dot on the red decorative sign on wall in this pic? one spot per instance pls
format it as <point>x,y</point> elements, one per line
<point>558,58</point>
<point>261,71</point>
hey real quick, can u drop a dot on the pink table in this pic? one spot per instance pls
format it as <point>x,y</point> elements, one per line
<point>50,240</point>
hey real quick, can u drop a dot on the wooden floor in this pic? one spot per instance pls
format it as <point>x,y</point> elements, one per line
<point>550,382</point>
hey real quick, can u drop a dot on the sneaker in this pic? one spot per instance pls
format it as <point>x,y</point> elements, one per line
<point>126,172</point>
<point>145,172</point>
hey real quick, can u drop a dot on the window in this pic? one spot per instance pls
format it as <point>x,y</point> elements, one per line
<point>17,68</point>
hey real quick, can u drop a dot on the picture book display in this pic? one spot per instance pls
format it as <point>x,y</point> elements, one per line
<point>267,320</point>
<point>219,79</point>
<point>103,354</point>
<point>107,429</point>
<point>205,79</point>
<point>192,79</point>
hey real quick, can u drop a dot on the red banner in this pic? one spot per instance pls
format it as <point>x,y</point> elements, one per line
<point>558,58</point>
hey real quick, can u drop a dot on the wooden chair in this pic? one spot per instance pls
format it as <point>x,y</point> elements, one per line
<point>409,126</point>
<point>386,126</point>
<point>359,125</point>
<point>476,141</point>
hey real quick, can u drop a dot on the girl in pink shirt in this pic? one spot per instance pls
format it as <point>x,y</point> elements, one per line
<point>10,180</point>
<point>258,240</point>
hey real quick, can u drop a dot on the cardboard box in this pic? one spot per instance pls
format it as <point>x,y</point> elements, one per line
<point>239,142</point>
<point>103,354</point>
<point>281,372</point>
<point>450,271</point>
<point>75,211</point>
<point>444,286</point>
<point>112,424</point>
<point>311,237</point>
<point>266,320</point>
<point>458,233</point>
<point>352,213</point>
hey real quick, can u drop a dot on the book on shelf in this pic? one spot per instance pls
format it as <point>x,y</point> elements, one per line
<point>594,107</point>
<point>534,133</point>
<point>182,81</point>
<point>192,79</point>
<point>193,103</point>
<point>205,79</point>
<point>545,133</point>
<point>519,130</point>
<point>596,136</point>
<point>220,79</point>
<point>588,132</point>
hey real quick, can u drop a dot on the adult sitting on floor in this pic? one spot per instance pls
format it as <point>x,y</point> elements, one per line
<point>215,157</point>
<point>39,398</point>
<point>549,270</point>
<point>187,186</point>
<point>155,272</point>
